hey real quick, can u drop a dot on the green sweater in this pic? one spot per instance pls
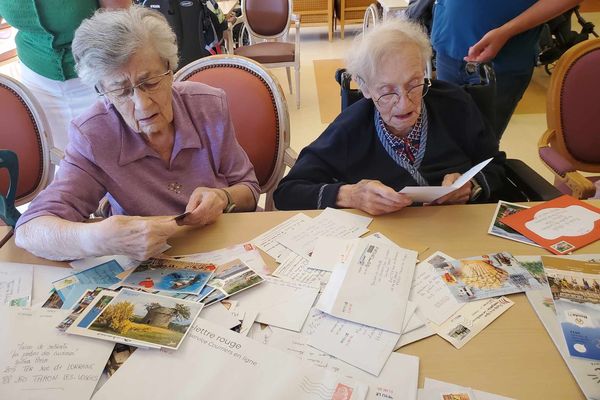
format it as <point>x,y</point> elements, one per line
<point>46,29</point>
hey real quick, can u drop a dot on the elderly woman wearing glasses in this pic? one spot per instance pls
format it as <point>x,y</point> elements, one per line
<point>408,131</point>
<point>152,147</point>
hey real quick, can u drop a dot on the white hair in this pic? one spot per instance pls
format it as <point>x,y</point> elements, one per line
<point>106,41</point>
<point>385,38</point>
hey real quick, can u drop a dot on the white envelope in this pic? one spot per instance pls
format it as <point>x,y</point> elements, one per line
<point>427,194</point>
<point>278,302</point>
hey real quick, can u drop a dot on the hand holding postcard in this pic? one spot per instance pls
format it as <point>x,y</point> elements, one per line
<point>487,276</point>
<point>170,275</point>
<point>561,225</point>
<point>427,194</point>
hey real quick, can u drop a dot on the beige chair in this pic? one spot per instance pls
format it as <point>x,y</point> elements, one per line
<point>350,12</point>
<point>572,141</point>
<point>26,149</point>
<point>258,110</point>
<point>268,23</point>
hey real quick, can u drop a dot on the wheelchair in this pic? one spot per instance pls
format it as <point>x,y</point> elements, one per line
<point>523,184</point>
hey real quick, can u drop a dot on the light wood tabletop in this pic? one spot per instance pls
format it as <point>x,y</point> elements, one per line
<point>513,357</point>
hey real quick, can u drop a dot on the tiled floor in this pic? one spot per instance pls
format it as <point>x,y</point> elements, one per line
<point>519,140</point>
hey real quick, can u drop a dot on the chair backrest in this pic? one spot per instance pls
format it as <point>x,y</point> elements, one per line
<point>573,106</point>
<point>258,110</point>
<point>267,19</point>
<point>23,129</point>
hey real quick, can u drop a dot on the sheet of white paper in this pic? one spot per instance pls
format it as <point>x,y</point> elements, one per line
<point>434,299</point>
<point>373,288</point>
<point>219,315</point>
<point>334,223</point>
<point>281,303</point>
<point>411,320</point>
<point>268,241</point>
<point>427,194</point>
<point>230,366</point>
<point>247,322</point>
<point>245,252</point>
<point>450,387</point>
<point>330,251</point>
<point>471,319</point>
<point>39,362</point>
<point>16,283</point>
<point>295,268</point>
<point>362,346</point>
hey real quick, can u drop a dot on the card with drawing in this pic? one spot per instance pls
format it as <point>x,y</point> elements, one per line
<point>498,228</point>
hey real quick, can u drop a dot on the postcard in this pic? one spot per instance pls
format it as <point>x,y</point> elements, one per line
<point>43,276</point>
<point>245,252</point>
<point>16,281</point>
<point>490,275</point>
<point>229,279</point>
<point>534,265</point>
<point>269,240</point>
<point>295,268</point>
<point>330,223</point>
<point>427,194</point>
<point>561,225</point>
<point>450,388</point>
<point>373,288</point>
<point>471,319</point>
<point>586,372</point>
<point>362,346</point>
<point>170,275</point>
<point>40,362</point>
<point>85,300</point>
<point>210,357</point>
<point>498,228</point>
<point>86,263</point>
<point>435,300</point>
<point>575,288</point>
<point>147,318</point>
<point>53,301</point>
<point>281,303</point>
<point>103,274</point>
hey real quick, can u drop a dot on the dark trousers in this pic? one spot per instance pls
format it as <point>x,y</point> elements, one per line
<point>509,88</point>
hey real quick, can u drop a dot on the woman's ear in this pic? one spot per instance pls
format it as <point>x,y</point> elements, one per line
<point>362,85</point>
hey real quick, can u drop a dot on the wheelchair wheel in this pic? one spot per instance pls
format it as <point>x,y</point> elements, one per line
<point>372,16</point>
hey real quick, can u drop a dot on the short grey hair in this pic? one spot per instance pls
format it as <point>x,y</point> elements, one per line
<point>106,41</point>
<point>384,39</point>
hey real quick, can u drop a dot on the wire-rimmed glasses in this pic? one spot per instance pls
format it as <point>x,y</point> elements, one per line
<point>414,94</point>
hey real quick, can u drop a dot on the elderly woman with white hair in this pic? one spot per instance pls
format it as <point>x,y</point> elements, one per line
<point>407,131</point>
<point>154,148</point>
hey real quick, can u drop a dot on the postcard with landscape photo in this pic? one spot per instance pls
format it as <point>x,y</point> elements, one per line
<point>486,276</point>
<point>102,275</point>
<point>231,278</point>
<point>79,308</point>
<point>497,228</point>
<point>170,275</point>
<point>147,318</point>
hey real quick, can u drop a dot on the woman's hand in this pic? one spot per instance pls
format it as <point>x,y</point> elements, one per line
<point>136,237</point>
<point>459,196</point>
<point>205,206</point>
<point>488,46</point>
<point>372,197</point>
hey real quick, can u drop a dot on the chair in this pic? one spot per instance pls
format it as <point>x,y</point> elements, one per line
<point>269,21</point>
<point>316,12</point>
<point>26,144</point>
<point>350,11</point>
<point>7,42</point>
<point>522,182</point>
<point>572,141</point>
<point>258,110</point>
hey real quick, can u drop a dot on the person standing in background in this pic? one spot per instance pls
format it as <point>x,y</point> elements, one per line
<point>502,32</point>
<point>47,69</point>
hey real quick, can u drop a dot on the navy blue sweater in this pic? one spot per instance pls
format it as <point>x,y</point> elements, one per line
<point>349,151</point>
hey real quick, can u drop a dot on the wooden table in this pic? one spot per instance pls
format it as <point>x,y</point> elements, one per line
<point>514,356</point>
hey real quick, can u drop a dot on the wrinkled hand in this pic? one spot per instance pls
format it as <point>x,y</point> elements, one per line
<point>205,206</point>
<point>459,196</point>
<point>136,237</point>
<point>488,47</point>
<point>372,197</point>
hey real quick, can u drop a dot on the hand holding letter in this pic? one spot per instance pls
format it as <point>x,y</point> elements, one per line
<point>373,197</point>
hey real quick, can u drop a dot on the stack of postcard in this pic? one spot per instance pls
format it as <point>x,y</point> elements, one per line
<point>132,317</point>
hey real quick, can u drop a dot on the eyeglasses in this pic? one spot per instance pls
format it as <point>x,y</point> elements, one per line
<point>413,94</point>
<point>149,85</point>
